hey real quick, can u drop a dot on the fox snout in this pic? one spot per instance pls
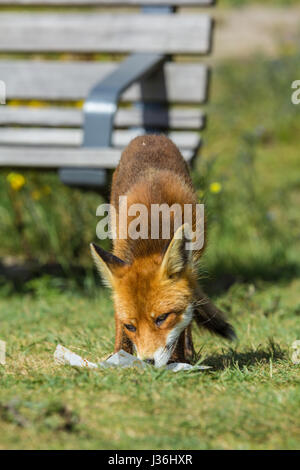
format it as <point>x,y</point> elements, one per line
<point>156,346</point>
<point>160,357</point>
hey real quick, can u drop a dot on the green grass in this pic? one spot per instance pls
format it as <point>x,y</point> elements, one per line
<point>250,399</point>
<point>250,147</point>
<point>269,3</point>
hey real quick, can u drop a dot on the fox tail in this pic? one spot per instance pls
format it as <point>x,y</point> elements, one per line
<point>207,315</point>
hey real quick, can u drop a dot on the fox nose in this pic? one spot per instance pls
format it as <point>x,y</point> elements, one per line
<point>149,361</point>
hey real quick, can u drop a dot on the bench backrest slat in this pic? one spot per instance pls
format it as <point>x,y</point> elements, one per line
<point>74,137</point>
<point>45,80</point>
<point>31,135</point>
<point>114,33</point>
<point>107,2</point>
<point>178,118</point>
<point>40,157</point>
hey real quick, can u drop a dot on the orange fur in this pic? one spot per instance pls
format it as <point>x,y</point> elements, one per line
<point>151,278</point>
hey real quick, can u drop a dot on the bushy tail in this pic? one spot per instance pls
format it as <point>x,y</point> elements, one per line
<point>207,315</point>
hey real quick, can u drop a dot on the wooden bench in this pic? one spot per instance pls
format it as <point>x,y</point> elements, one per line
<point>145,90</point>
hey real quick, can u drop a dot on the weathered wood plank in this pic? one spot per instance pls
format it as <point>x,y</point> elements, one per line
<point>71,117</point>
<point>185,82</point>
<point>38,157</point>
<point>108,2</point>
<point>73,137</point>
<point>91,32</point>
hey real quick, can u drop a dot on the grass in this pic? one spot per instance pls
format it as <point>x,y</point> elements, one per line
<point>269,3</point>
<point>250,398</point>
<point>249,148</point>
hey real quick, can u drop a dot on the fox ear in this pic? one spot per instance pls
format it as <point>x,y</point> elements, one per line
<point>177,257</point>
<point>105,263</point>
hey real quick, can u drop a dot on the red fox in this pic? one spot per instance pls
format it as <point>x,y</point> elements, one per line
<point>154,281</point>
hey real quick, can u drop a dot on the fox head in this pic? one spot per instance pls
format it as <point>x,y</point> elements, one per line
<point>153,296</point>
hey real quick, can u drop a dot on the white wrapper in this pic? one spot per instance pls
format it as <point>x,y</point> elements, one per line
<point>296,352</point>
<point>177,366</point>
<point>63,355</point>
<point>2,352</point>
<point>122,359</point>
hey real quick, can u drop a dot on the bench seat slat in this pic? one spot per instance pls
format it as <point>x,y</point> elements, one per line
<point>38,157</point>
<point>115,33</point>
<point>44,80</point>
<point>179,118</point>
<point>73,137</point>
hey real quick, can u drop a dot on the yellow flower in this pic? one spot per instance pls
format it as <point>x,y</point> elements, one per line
<point>36,195</point>
<point>36,104</point>
<point>14,102</point>
<point>65,56</point>
<point>16,181</point>
<point>79,104</point>
<point>215,187</point>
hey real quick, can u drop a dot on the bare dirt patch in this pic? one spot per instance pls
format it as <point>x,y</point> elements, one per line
<point>255,29</point>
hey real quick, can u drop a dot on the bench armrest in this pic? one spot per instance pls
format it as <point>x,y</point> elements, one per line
<point>99,111</point>
<point>101,105</point>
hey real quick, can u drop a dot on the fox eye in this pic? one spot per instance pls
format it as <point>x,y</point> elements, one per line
<point>159,320</point>
<point>130,327</point>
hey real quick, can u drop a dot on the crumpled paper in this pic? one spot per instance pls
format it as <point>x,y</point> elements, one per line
<point>122,359</point>
<point>296,352</point>
<point>2,352</point>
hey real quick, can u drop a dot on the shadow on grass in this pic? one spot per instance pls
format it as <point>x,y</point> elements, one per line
<point>15,278</point>
<point>222,276</point>
<point>247,358</point>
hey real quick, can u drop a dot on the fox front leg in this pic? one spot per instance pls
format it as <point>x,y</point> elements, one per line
<point>179,354</point>
<point>189,351</point>
<point>121,339</point>
<point>184,351</point>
